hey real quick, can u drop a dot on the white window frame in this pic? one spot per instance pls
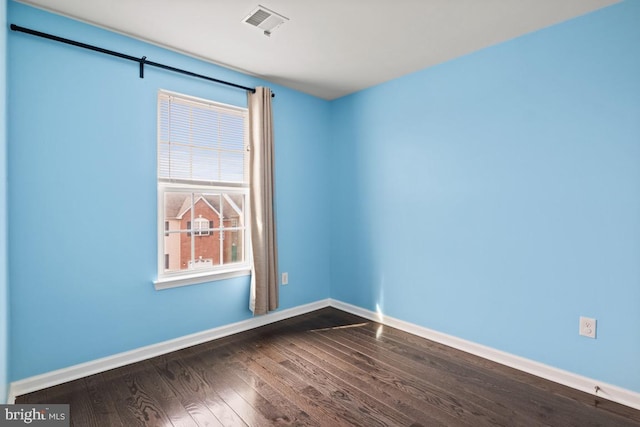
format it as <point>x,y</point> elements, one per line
<point>166,280</point>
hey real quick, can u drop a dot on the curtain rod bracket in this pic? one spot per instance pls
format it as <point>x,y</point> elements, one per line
<point>142,61</point>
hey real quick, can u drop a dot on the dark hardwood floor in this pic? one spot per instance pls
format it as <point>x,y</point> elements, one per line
<point>326,368</point>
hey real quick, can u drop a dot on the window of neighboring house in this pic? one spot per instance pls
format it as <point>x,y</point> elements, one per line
<point>202,226</point>
<point>203,191</point>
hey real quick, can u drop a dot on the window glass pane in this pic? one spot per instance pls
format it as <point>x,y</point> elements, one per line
<point>234,166</point>
<point>177,246</point>
<point>204,164</point>
<point>207,252</point>
<point>233,246</point>
<point>208,206</point>
<point>177,206</point>
<point>233,205</point>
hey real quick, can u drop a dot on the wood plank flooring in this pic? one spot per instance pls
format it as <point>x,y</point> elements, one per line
<point>326,368</point>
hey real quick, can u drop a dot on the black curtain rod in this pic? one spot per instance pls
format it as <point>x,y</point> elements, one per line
<point>142,61</point>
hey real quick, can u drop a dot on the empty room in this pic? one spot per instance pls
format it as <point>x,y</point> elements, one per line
<point>284,212</point>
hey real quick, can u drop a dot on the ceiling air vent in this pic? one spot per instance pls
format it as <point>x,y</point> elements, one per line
<point>265,19</point>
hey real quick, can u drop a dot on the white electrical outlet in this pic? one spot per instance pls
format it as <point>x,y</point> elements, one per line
<point>285,278</point>
<point>587,327</point>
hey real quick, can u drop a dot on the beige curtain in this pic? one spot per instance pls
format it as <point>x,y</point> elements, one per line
<point>264,274</point>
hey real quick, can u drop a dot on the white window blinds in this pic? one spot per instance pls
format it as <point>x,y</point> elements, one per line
<point>201,142</point>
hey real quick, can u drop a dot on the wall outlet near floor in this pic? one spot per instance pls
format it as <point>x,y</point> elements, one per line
<point>285,278</point>
<point>587,327</point>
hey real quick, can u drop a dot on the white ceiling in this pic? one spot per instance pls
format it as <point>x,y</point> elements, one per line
<point>328,48</point>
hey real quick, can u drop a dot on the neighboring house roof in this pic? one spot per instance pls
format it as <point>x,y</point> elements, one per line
<point>186,206</point>
<point>178,204</point>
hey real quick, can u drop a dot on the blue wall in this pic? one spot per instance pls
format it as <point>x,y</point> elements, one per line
<point>82,198</point>
<point>4,308</point>
<point>496,197</point>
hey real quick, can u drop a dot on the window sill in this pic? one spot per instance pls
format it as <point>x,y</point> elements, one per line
<point>195,278</point>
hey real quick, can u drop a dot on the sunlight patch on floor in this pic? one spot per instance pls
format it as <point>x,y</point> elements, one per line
<point>355,325</point>
<point>379,331</point>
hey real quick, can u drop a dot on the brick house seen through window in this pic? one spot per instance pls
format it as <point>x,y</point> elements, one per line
<point>206,224</point>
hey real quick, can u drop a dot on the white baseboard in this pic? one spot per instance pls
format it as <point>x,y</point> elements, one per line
<point>578,382</point>
<point>70,373</point>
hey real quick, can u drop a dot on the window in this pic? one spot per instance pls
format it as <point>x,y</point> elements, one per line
<point>203,190</point>
<point>202,226</point>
